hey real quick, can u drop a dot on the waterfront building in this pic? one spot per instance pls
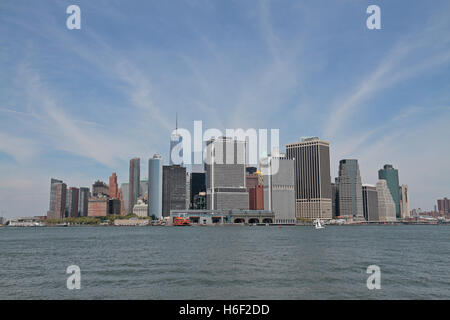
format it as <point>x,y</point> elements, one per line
<point>173,189</point>
<point>98,206</point>
<point>72,199</point>
<point>114,206</point>
<point>390,174</point>
<point>134,183</point>
<point>58,203</point>
<point>386,204</point>
<point>99,188</point>
<point>199,201</point>
<point>350,189</point>
<point>370,203</point>
<point>125,196</point>
<point>198,184</point>
<point>225,174</point>
<point>155,189</point>
<point>140,209</point>
<point>443,205</point>
<point>188,191</point>
<point>279,188</point>
<point>312,177</point>
<point>53,195</point>
<point>83,201</point>
<point>256,198</point>
<point>404,202</point>
<point>335,199</point>
<point>113,187</point>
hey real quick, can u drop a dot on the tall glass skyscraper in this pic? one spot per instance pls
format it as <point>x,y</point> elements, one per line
<point>350,189</point>
<point>390,174</point>
<point>155,177</point>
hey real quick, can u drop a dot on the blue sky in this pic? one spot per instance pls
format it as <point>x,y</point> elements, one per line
<point>78,104</point>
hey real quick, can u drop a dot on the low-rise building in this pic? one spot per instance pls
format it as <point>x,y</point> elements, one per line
<point>140,208</point>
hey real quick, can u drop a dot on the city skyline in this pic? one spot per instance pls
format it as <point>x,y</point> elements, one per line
<point>78,105</point>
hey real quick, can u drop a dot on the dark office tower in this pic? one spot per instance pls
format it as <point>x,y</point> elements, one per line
<point>312,177</point>
<point>52,205</point>
<point>173,189</point>
<point>134,183</point>
<point>59,202</point>
<point>198,184</point>
<point>225,174</point>
<point>72,196</point>
<point>113,187</point>
<point>83,202</point>
<point>100,189</point>
<point>114,206</point>
<point>350,189</point>
<point>370,203</point>
<point>390,174</point>
<point>335,199</point>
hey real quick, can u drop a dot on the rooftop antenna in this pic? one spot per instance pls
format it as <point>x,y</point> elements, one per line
<point>176,122</point>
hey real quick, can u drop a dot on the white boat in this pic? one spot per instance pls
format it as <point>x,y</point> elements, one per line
<point>318,224</point>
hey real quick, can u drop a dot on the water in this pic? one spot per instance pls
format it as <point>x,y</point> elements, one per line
<point>225,262</point>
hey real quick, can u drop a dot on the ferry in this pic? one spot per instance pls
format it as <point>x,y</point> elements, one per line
<point>180,221</point>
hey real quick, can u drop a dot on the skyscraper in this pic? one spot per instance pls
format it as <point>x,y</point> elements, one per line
<point>134,183</point>
<point>155,177</point>
<point>370,203</point>
<point>83,202</point>
<point>350,189</point>
<point>335,199</point>
<point>113,187</point>
<point>404,202</point>
<point>57,200</point>
<point>386,205</point>
<point>312,177</point>
<point>225,174</point>
<point>198,184</point>
<point>173,189</point>
<point>100,189</point>
<point>53,194</point>
<point>390,174</point>
<point>72,202</point>
<point>443,205</point>
<point>176,147</point>
<point>188,190</point>
<point>125,196</point>
<point>279,190</point>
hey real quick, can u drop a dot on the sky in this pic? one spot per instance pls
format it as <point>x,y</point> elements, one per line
<point>78,104</point>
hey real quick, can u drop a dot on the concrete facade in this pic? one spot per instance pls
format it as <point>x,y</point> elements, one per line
<point>386,205</point>
<point>279,189</point>
<point>370,203</point>
<point>225,174</point>
<point>350,189</point>
<point>312,178</point>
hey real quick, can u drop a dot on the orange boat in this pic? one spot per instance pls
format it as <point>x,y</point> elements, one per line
<point>180,221</point>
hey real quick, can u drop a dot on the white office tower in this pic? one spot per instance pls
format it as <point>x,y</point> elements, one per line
<point>278,185</point>
<point>404,202</point>
<point>386,205</point>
